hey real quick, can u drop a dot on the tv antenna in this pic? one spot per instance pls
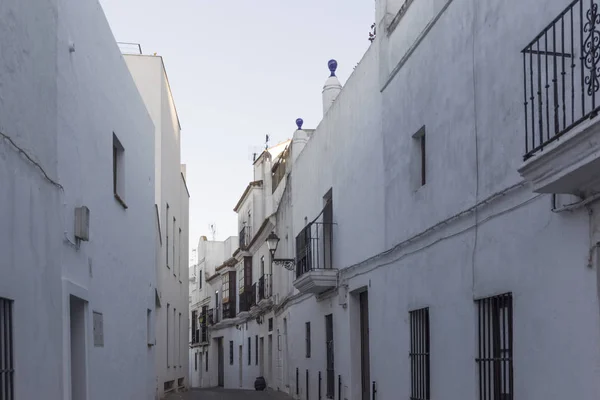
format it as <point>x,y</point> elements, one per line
<point>213,231</point>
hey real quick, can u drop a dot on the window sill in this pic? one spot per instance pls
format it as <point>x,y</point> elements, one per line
<point>120,201</point>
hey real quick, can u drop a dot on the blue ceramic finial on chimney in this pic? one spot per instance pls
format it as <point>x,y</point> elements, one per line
<point>332,64</point>
<point>299,123</point>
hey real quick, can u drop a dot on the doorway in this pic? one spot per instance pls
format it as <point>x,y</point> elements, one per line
<point>77,323</point>
<point>220,363</point>
<point>365,366</point>
<point>270,356</point>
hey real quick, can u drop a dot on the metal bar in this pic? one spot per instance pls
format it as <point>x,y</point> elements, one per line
<point>564,103</point>
<point>412,356</point>
<point>503,346</point>
<point>549,53</point>
<point>427,357</point>
<point>339,387</point>
<point>572,72</point>
<point>510,347</point>
<point>532,99</point>
<point>419,361</point>
<point>547,87</point>
<point>3,381</point>
<point>490,353</point>
<point>540,97</point>
<point>479,346</point>
<point>11,383</point>
<point>582,59</point>
<point>593,72</point>
<point>525,102</point>
<point>320,380</point>
<point>555,85</point>
<point>297,382</point>
<point>307,386</point>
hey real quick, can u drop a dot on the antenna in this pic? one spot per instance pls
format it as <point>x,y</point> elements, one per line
<point>213,231</point>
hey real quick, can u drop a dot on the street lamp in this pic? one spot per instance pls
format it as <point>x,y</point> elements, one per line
<point>287,263</point>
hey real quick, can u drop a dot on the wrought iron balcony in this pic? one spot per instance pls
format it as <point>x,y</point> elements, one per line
<point>245,237</point>
<point>561,81</point>
<point>314,260</point>
<point>313,248</point>
<point>265,287</point>
<point>561,68</point>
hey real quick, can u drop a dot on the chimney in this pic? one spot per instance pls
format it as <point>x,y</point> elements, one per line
<point>332,87</point>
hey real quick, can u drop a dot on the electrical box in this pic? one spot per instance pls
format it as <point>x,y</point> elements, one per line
<point>82,223</point>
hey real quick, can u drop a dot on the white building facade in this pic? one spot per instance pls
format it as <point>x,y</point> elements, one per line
<point>171,218</point>
<point>429,259</point>
<point>77,277</point>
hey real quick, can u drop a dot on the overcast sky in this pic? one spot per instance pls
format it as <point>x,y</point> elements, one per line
<point>241,69</point>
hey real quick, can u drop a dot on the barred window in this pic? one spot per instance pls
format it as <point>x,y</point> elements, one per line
<point>495,344</point>
<point>231,352</point>
<point>307,340</point>
<point>7,372</point>
<point>419,355</point>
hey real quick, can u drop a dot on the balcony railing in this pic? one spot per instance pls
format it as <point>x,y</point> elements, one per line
<point>265,287</point>
<point>245,237</point>
<point>313,248</point>
<point>247,298</point>
<point>229,309</point>
<point>561,68</point>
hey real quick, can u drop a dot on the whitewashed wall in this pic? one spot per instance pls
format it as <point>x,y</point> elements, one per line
<point>62,108</point>
<point>172,276</point>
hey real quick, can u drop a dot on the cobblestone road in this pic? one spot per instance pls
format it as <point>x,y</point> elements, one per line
<point>221,394</point>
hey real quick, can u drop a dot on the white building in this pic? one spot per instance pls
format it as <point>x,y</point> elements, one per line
<point>76,294</point>
<point>170,218</point>
<point>424,246</point>
<point>203,297</point>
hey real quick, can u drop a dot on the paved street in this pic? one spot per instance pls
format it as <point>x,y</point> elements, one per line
<point>221,394</point>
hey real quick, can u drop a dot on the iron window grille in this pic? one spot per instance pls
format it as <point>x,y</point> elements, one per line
<point>249,351</point>
<point>7,371</point>
<point>561,76</point>
<point>256,350</point>
<point>330,373</point>
<point>495,344</point>
<point>231,352</point>
<point>307,339</point>
<point>270,324</point>
<point>419,355</point>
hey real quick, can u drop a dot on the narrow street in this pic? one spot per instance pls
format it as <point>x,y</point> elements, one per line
<point>228,394</point>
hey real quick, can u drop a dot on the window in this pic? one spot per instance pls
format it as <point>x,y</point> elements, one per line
<point>420,160</point>
<point>329,349</point>
<point>174,338</point>
<point>7,371</point>
<point>149,335</point>
<point>231,352</point>
<point>196,362</point>
<point>270,324</point>
<point>249,351</point>
<point>495,344</point>
<point>419,354</point>
<point>118,171</point>
<point>256,350</point>
<point>206,360</point>
<point>225,288</point>
<point>179,343</point>
<point>307,339</point>
<point>167,233</point>
<point>262,265</point>
<point>174,262</point>
<point>168,344</point>
<point>199,279</point>
<point>179,265</point>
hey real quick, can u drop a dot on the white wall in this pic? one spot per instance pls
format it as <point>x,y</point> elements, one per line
<point>62,108</point>
<point>172,275</point>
